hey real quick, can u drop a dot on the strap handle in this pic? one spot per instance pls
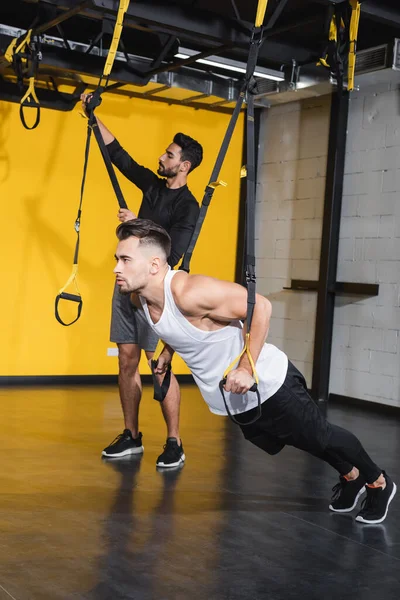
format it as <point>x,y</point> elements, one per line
<point>160,391</point>
<point>72,298</point>
<point>63,295</point>
<point>254,388</point>
<point>30,100</point>
<point>77,226</point>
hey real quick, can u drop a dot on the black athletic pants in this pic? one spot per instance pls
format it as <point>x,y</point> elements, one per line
<point>290,417</point>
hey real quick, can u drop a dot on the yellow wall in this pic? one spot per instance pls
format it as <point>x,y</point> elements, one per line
<point>40,173</point>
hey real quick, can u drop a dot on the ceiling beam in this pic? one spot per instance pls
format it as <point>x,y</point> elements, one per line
<point>376,10</point>
<point>202,29</point>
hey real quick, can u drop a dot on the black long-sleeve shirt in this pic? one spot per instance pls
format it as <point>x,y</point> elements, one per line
<point>174,209</point>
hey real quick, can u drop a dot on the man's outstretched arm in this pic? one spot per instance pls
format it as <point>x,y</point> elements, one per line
<point>222,301</point>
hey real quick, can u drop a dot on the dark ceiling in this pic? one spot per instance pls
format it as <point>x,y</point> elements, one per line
<point>298,30</point>
<point>294,29</point>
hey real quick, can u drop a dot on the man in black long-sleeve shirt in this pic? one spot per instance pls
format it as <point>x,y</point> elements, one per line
<point>167,201</point>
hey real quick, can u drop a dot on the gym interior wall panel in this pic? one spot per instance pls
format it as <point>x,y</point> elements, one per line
<point>366,350</point>
<point>290,199</point>
<point>40,174</point>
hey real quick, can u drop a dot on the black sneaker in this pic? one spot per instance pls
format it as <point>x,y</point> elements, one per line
<point>173,454</point>
<point>346,494</point>
<point>124,444</point>
<point>376,504</point>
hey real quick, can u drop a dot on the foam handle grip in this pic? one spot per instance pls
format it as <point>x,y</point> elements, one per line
<point>72,297</point>
<point>253,388</point>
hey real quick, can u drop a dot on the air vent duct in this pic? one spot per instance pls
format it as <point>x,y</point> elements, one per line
<point>372,59</point>
<point>396,55</point>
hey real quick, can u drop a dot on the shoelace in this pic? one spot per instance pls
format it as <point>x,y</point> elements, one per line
<point>371,500</point>
<point>171,448</point>
<point>118,438</point>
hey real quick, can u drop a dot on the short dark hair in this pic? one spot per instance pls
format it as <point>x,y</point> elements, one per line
<point>148,232</point>
<point>191,150</point>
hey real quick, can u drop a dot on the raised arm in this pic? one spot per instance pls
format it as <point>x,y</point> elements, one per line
<point>142,177</point>
<point>202,297</point>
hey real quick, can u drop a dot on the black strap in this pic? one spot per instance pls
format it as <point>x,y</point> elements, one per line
<point>160,391</point>
<point>72,298</point>
<point>94,101</point>
<point>64,295</point>
<point>250,260</point>
<point>255,42</point>
<point>29,104</point>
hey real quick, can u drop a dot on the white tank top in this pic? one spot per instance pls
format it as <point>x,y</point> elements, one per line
<point>209,353</point>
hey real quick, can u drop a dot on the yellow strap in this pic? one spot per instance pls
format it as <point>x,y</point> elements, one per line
<point>24,42</point>
<point>261,8</point>
<point>123,7</point>
<point>333,30</point>
<point>72,279</point>
<point>8,55</point>
<point>246,350</point>
<point>12,49</point>
<point>159,349</point>
<point>324,62</point>
<point>30,92</point>
<point>215,184</point>
<point>354,24</point>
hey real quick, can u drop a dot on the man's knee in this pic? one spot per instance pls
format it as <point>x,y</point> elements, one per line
<point>128,358</point>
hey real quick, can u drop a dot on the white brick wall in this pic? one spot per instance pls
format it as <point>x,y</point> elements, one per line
<point>290,198</point>
<point>292,170</point>
<point>366,349</point>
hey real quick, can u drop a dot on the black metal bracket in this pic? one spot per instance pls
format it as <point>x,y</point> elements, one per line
<point>302,285</point>
<point>338,288</point>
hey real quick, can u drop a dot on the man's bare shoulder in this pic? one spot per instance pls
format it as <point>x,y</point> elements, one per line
<point>192,293</point>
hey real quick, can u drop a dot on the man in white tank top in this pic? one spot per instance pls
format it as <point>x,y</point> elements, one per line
<point>201,319</point>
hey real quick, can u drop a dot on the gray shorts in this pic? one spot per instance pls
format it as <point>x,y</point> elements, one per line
<point>129,325</point>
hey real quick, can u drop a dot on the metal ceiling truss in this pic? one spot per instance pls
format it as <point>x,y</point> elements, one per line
<point>217,34</point>
<point>75,63</point>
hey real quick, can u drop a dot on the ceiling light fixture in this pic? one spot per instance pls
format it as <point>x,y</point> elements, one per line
<point>231,65</point>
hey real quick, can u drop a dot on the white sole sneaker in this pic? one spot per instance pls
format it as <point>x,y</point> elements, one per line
<point>169,465</point>
<point>346,510</point>
<point>361,519</point>
<point>136,450</point>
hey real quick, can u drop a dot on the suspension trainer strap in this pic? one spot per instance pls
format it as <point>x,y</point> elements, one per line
<point>24,55</point>
<point>250,263</point>
<point>160,391</point>
<point>62,294</point>
<point>354,25</point>
<point>30,99</point>
<point>213,183</point>
<point>94,101</point>
<point>104,152</point>
<point>255,43</point>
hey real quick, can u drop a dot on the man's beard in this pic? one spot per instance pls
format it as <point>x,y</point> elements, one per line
<point>126,290</point>
<point>168,173</point>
